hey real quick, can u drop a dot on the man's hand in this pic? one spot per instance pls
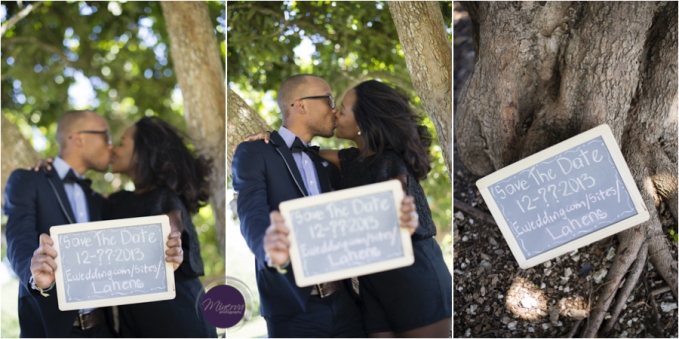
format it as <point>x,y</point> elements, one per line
<point>276,243</point>
<point>409,217</point>
<point>174,254</point>
<point>43,264</point>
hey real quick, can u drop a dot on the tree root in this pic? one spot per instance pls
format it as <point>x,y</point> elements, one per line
<point>626,290</point>
<point>657,328</point>
<point>660,256</point>
<point>474,212</point>
<point>574,329</point>
<point>630,243</point>
<point>650,234</point>
<point>660,290</point>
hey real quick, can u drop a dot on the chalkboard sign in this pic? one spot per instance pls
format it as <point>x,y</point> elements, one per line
<point>112,262</point>
<point>564,197</point>
<point>347,233</point>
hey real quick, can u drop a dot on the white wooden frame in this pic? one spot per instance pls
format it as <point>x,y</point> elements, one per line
<point>603,131</point>
<point>56,231</point>
<point>301,279</point>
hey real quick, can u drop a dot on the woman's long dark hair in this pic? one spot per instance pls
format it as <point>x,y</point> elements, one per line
<point>163,160</point>
<point>387,122</point>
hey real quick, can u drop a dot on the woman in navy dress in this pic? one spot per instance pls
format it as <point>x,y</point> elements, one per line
<point>168,179</point>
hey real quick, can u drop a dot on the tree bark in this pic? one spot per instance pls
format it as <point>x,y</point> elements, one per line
<point>200,74</point>
<point>428,55</point>
<point>17,152</point>
<point>546,71</point>
<point>241,122</point>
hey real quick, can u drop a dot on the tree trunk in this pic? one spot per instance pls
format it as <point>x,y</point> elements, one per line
<point>428,52</point>
<point>241,122</point>
<point>546,71</point>
<point>17,152</point>
<point>200,74</point>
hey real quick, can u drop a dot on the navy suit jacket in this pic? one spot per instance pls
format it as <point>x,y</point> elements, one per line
<point>32,207</point>
<point>264,175</point>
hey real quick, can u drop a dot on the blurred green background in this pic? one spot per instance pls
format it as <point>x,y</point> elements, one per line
<point>111,57</point>
<point>344,43</point>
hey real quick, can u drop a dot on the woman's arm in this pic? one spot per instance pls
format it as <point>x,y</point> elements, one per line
<point>331,155</point>
<point>402,178</point>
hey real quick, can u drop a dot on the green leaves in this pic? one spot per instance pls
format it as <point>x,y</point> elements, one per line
<point>352,42</point>
<point>123,51</point>
<point>122,48</point>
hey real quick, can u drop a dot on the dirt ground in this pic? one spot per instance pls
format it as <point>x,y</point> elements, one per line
<point>493,297</point>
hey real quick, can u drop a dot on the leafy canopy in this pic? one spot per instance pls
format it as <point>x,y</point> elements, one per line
<point>352,42</point>
<point>117,52</point>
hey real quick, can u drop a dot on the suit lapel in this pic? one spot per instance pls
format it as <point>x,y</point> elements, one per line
<point>93,206</point>
<point>290,163</point>
<point>323,178</point>
<point>58,189</point>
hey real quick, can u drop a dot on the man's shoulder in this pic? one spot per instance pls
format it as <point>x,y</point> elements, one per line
<point>21,175</point>
<point>23,183</point>
<point>260,145</point>
<point>255,149</point>
<point>251,146</point>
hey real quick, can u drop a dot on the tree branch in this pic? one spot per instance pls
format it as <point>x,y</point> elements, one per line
<point>473,211</point>
<point>251,39</point>
<point>22,14</point>
<point>280,16</point>
<point>35,41</point>
<point>64,62</point>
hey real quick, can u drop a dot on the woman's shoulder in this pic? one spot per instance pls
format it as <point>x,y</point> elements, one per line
<point>390,164</point>
<point>162,191</point>
<point>119,196</point>
<point>348,153</point>
<point>390,157</point>
<point>168,200</point>
<point>390,154</point>
<point>157,199</point>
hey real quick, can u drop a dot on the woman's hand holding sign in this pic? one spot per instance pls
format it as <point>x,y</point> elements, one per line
<point>175,254</point>
<point>409,218</point>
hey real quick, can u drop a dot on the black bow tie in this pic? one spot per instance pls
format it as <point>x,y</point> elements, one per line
<point>71,178</point>
<point>298,146</point>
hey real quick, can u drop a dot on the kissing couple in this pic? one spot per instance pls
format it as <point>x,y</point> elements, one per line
<point>270,168</point>
<point>168,179</point>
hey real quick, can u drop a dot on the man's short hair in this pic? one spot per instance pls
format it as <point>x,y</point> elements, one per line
<point>288,91</point>
<point>67,124</point>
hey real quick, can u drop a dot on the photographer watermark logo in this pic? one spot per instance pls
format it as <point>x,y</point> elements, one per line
<point>223,306</point>
<point>227,303</point>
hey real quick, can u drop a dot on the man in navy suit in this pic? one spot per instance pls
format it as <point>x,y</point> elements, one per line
<point>285,168</point>
<point>35,201</point>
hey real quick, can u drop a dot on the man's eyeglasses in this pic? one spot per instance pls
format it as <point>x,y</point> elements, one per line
<point>331,100</point>
<point>106,133</point>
